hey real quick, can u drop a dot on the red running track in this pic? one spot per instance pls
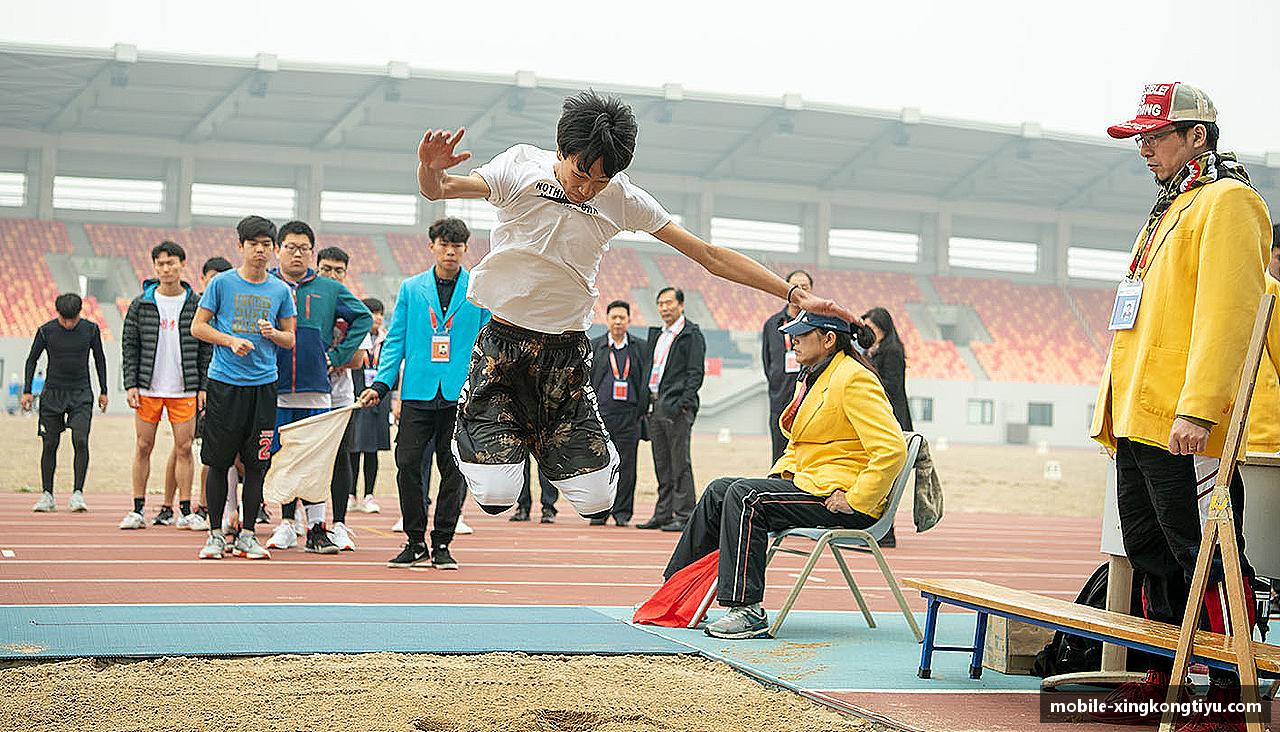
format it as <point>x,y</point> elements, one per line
<point>65,558</point>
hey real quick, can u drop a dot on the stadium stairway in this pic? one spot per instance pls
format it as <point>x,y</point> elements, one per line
<point>80,240</point>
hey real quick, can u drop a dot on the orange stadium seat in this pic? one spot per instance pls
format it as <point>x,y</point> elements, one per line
<point>28,290</point>
<point>413,254</point>
<point>1094,304</point>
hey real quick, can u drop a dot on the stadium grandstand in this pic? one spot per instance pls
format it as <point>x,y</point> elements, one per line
<point>995,247</point>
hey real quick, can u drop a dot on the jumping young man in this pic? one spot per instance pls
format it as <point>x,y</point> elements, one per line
<point>164,368</point>
<point>247,315</point>
<point>67,398</point>
<point>528,389</point>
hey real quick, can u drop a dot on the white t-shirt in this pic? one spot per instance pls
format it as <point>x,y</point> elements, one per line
<point>166,375</point>
<point>341,389</point>
<point>545,252</point>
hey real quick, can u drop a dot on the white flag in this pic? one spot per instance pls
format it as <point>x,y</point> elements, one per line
<point>303,467</point>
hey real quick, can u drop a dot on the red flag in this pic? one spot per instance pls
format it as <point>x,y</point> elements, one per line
<point>679,602</point>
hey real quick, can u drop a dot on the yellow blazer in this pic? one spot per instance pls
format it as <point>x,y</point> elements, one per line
<point>845,437</point>
<point>1264,410</point>
<point>1200,296</point>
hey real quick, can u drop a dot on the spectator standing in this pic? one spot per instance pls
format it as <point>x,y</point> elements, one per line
<point>618,377</point>
<point>778,358</point>
<point>372,425</point>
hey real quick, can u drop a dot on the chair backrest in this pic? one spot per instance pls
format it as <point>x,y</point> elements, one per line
<point>881,527</point>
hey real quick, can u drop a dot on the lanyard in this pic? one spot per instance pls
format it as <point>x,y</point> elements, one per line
<point>786,340</point>
<point>435,328</point>
<point>1141,257</point>
<point>626,373</point>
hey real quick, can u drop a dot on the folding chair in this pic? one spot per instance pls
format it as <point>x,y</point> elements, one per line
<point>864,540</point>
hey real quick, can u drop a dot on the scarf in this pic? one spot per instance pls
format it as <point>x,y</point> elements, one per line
<point>1206,168</point>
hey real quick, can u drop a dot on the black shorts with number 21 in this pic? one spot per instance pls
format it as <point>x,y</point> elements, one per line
<point>238,420</point>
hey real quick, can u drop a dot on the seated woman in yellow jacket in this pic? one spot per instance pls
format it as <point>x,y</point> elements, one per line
<point>844,449</point>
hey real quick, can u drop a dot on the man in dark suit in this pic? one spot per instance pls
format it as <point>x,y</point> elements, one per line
<point>618,375</point>
<point>675,356</point>
<point>779,361</point>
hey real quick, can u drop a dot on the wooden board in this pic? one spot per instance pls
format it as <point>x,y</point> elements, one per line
<point>1035,607</point>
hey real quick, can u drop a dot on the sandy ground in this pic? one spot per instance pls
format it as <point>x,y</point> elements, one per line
<point>1000,479</point>
<point>404,693</point>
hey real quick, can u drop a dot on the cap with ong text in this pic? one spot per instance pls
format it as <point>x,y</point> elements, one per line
<point>1164,104</point>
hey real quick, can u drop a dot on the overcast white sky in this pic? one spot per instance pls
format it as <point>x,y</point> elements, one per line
<point>1077,65</point>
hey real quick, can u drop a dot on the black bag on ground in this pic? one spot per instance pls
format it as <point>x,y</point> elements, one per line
<point>1071,653</point>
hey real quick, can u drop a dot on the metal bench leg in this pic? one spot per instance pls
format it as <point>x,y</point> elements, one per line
<point>930,627</point>
<point>979,642</point>
<point>857,594</point>
<point>795,591</point>
<point>897,593</point>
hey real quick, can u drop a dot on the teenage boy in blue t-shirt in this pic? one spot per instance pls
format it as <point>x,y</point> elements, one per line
<point>246,314</point>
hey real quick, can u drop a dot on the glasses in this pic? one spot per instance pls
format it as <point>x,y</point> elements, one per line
<point>295,249</point>
<point>1152,139</point>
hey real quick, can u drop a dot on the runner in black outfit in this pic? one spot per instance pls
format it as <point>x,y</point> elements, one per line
<point>67,400</point>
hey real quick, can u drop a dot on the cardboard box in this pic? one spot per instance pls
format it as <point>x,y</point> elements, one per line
<point>1011,646</point>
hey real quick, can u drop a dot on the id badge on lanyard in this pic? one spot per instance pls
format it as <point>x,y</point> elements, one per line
<point>790,364</point>
<point>439,341</point>
<point>620,384</point>
<point>1124,313</point>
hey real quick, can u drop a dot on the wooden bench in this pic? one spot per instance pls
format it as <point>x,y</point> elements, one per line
<point>984,598</point>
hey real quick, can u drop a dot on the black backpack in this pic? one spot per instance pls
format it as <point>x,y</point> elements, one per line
<point>1071,653</point>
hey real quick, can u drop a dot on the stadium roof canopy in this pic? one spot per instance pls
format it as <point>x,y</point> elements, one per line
<point>55,94</point>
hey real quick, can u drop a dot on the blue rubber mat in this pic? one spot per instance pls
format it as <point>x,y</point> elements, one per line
<point>147,631</point>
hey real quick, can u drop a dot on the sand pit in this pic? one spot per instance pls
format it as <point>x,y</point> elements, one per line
<point>405,693</point>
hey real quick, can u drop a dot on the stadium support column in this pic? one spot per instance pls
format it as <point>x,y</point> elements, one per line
<point>40,181</point>
<point>702,219</point>
<point>940,242</point>
<point>310,183</point>
<point>821,236</point>
<point>429,211</point>
<point>1062,241</point>
<point>180,173</point>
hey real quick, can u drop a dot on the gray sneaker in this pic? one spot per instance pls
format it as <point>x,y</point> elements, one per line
<point>213,546</point>
<point>46,504</point>
<point>247,546</point>
<point>741,623</point>
<point>76,503</point>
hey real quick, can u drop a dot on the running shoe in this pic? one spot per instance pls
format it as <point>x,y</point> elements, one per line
<point>318,541</point>
<point>442,559</point>
<point>412,555</point>
<point>342,537</point>
<point>263,516</point>
<point>299,528</point>
<point>247,546</point>
<point>46,504</point>
<point>283,537</point>
<point>368,505</point>
<point>399,525</point>
<point>77,504</point>
<point>351,502</point>
<point>197,521</point>
<point>133,520</point>
<point>214,546</point>
<point>164,517</point>
<point>463,528</point>
<point>741,623</point>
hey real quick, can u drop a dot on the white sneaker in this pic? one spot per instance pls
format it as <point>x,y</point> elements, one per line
<point>399,525</point>
<point>342,537</point>
<point>133,520</point>
<point>77,504</point>
<point>247,546</point>
<point>368,505</point>
<point>197,522</point>
<point>299,527</point>
<point>351,501</point>
<point>463,528</point>
<point>46,504</point>
<point>284,537</point>
<point>213,547</point>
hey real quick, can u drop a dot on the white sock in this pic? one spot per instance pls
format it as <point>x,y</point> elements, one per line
<point>315,514</point>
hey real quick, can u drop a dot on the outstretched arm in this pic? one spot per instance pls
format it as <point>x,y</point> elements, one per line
<point>436,154</point>
<point>738,267</point>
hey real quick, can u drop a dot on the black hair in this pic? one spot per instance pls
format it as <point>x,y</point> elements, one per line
<point>795,272</point>
<point>679,293</point>
<point>597,128</point>
<point>68,305</point>
<point>374,304</point>
<point>1211,132</point>
<point>252,227</point>
<point>215,264</point>
<point>452,230</point>
<point>297,227</point>
<point>168,247</point>
<point>333,254</point>
<point>844,342</point>
<point>884,321</point>
<point>1275,236</point>
<point>619,304</point>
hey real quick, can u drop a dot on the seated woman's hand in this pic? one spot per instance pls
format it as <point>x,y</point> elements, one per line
<point>838,502</point>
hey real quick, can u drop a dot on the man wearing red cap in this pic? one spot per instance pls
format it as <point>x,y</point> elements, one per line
<point>1182,317</point>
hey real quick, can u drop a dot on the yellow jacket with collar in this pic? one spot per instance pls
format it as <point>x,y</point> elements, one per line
<point>845,437</point>
<point>1264,410</point>
<point>1200,296</point>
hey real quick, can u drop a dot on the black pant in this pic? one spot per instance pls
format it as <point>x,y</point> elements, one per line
<point>1160,523</point>
<point>370,460</point>
<point>423,431</point>
<point>778,439</point>
<point>735,515</point>
<point>550,494</point>
<point>61,409</point>
<point>670,435</point>
<point>624,430</point>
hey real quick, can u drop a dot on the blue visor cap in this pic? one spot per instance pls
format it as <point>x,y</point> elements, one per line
<point>807,321</point>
